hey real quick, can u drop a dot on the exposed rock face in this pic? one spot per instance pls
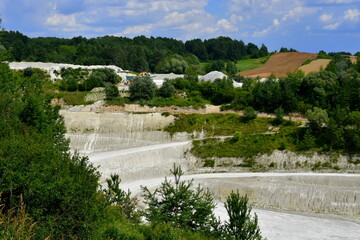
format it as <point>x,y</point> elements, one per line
<point>309,194</point>
<point>287,161</point>
<point>100,132</point>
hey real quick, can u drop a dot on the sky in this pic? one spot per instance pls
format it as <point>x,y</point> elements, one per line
<point>306,25</point>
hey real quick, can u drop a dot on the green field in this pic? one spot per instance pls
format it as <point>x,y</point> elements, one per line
<point>243,65</point>
<point>248,64</point>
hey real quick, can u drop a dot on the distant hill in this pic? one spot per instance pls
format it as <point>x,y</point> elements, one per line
<point>280,64</point>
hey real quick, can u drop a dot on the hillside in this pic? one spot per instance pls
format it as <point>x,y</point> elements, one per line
<point>280,64</point>
<point>315,65</point>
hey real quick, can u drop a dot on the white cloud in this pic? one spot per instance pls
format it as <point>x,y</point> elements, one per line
<point>332,26</point>
<point>236,19</point>
<point>276,22</point>
<point>177,18</point>
<point>352,15</point>
<point>262,33</point>
<point>299,12</point>
<point>335,1</point>
<point>325,18</point>
<point>136,30</point>
<point>253,6</point>
<point>168,6</point>
<point>62,20</point>
<point>226,25</point>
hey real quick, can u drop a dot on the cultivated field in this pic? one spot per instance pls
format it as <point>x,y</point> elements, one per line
<point>280,64</point>
<point>315,66</point>
<point>353,59</point>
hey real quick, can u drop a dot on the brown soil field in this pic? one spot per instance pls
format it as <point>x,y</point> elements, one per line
<point>315,65</point>
<point>280,64</point>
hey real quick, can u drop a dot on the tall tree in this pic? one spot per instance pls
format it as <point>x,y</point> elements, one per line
<point>241,225</point>
<point>179,204</point>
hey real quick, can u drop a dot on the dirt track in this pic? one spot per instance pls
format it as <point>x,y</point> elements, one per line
<point>279,64</point>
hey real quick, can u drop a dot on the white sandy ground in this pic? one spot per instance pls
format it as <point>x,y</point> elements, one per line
<point>284,226</point>
<point>274,225</point>
<point>97,157</point>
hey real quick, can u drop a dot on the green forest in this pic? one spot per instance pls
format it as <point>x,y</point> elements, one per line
<point>161,55</point>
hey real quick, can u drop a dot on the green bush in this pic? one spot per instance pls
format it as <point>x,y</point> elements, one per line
<point>249,114</point>
<point>180,205</point>
<point>142,88</point>
<point>111,91</point>
<point>241,225</point>
<point>166,90</point>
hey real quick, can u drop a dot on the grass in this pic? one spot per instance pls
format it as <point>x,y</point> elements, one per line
<point>119,101</point>
<point>218,124</point>
<point>246,146</point>
<point>307,62</point>
<point>243,65</point>
<point>248,64</point>
<point>73,98</point>
<point>179,102</point>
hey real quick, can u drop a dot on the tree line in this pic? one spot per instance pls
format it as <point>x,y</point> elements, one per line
<point>139,54</point>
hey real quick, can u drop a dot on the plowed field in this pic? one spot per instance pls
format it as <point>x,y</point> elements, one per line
<point>280,64</point>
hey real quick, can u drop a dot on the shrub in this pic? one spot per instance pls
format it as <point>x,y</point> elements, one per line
<point>240,225</point>
<point>166,90</point>
<point>180,205</point>
<point>249,114</point>
<point>111,91</point>
<point>142,88</point>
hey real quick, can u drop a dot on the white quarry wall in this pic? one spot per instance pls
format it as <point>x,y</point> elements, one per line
<point>100,132</point>
<point>143,162</point>
<point>337,195</point>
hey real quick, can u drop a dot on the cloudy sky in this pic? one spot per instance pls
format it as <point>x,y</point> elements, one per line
<point>306,25</point>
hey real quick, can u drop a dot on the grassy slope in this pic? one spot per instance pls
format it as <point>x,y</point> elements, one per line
<point>73,98</point>
<point>248,64</point>
<point>249,138</point>
<point>243,65</point>
<point>218,124</point>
